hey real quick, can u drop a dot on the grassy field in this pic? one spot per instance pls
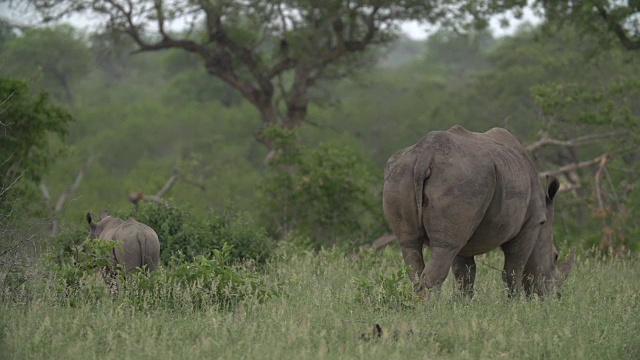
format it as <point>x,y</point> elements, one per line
<point>327,307</point>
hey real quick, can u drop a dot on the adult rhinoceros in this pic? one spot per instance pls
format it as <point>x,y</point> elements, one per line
<point>138,244</point>
<point>463,194</point>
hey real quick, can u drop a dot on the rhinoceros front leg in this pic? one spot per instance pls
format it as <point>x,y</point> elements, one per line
<point>512,275</point>
<point>464,271</point>
<point>516,255</point>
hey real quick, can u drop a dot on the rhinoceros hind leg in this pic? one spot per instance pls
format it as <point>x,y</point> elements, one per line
<point>437,268</point>
<point>413,257</point>
<point>464,271</point>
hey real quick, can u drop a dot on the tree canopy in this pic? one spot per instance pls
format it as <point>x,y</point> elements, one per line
<point>273,52</point>
<point>619,19</point>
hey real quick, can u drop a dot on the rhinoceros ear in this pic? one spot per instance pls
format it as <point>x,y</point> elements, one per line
<point>90,219</point>
<point>104,214</point>
<point>554,186</point>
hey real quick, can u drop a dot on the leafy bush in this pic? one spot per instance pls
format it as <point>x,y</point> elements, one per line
<point>62,246</point>
<point>203,281</point>
<point>325,193</point>
<point>247,241</point>
<point>181,232</point>
<point>73,271</point>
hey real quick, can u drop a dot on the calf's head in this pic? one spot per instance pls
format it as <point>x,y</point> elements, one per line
<point>542,272</point>
<point>84,251</point>
<point>96,228</point>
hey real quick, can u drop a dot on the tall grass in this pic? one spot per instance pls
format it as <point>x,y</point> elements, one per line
<point>327,307</point>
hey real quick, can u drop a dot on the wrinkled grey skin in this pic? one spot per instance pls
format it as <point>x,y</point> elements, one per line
<point>464,194</point>
<point>140,245</point>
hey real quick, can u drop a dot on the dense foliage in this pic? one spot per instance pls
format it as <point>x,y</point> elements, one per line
<point>326,193</point>
<point>145,117</point>
<point>188,235</point>
<point>183,282</point>
<point>29,124</point>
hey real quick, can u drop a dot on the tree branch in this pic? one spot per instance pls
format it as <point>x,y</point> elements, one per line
<point>545,140</point>
<point>618,30</point>
<point>45,193</point>
<point>571,167</point>
<point>74,186</point>
<point>169,184</point>
<point>136,197</point>
<point>603,162</point>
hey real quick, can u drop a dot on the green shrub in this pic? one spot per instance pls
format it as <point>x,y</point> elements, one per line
<point>201,282</point>
<point>74,271</point>
<point>326,193</point>
<point>247,241</point>
<point>62,245</point>
<point>181,232</point>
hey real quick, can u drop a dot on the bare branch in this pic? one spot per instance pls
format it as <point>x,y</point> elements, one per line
<point>598,176</point>
<point>8,187</point>
<point>545,140</point>
<point>45,193</point>
<point>571,167</point>
<point>169,184</point>
<point>383,241</point>
<point>136,197</point>
<point>75,185</point>
<point>200,186</point>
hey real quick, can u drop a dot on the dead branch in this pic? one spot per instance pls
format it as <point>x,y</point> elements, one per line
<point>565,188</point>
<point>45,193</point>
<point>136,197</point>
<point>63,197</point>
<point>383,241</point>
<point>571,167</point>
<point>545,140</point>
<point>75,185</point>
<point>598,176</point>
<point>169,184</point>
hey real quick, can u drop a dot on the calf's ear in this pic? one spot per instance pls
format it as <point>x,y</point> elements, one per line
<point>90,219</point>
<point>104,214</point>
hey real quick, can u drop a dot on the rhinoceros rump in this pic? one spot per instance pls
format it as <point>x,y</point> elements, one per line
<point>464,194</point>
<point>139,244</point>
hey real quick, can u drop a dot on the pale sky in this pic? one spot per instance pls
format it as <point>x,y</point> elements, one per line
<point>418,31</point>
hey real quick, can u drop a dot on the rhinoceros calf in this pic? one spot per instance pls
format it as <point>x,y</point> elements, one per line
<point>138,244</point>
<point>463,194</point>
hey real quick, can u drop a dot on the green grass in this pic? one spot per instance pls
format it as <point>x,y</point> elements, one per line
<point>322,311</point>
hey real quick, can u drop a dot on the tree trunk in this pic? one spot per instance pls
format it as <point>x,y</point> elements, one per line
<point>298,100</point>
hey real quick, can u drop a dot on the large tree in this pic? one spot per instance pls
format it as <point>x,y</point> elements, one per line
<point>604,17</point>
<point>272,52</point>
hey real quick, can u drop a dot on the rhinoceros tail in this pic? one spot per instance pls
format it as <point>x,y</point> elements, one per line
<point>421,172</point>
<point>142,244</point>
